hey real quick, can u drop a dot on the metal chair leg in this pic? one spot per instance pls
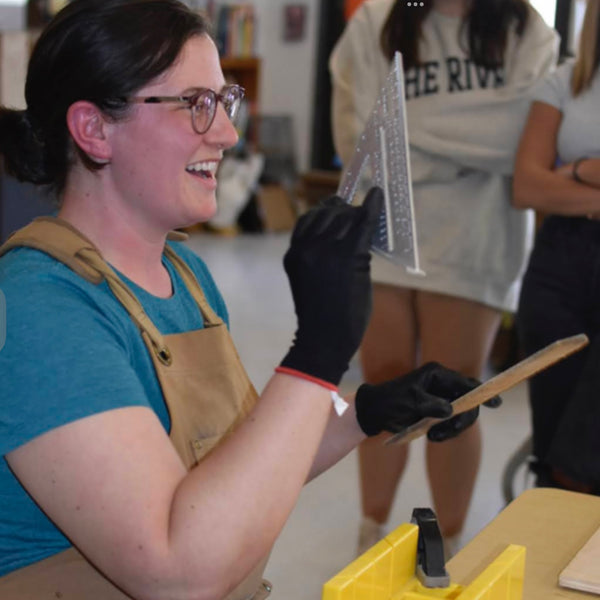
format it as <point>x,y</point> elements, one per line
<point>515,462</point>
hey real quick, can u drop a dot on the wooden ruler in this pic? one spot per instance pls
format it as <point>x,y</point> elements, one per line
<point>500,383</point>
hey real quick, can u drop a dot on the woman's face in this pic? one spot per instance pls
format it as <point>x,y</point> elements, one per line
<point>156,149</point>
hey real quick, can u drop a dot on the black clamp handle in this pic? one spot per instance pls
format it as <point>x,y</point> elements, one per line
<point>431,567</point>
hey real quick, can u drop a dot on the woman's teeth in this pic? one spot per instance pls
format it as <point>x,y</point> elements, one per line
<point>205,168</point>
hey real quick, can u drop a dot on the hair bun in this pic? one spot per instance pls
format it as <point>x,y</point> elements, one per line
<point>22,147</point>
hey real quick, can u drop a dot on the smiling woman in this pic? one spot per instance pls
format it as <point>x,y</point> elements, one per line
<point>138,460</point>
<point>154,153</point>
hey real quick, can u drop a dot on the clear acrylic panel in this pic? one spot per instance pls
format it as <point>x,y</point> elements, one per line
<point>381,158</point>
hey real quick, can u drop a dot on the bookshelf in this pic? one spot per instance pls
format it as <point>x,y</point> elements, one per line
<point>235,29</point>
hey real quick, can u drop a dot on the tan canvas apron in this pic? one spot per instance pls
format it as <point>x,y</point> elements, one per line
<point>204,384</point>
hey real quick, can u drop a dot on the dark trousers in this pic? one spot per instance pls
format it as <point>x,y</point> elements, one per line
<point>561,297</point>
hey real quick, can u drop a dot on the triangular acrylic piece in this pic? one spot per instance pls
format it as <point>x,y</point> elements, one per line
<point>381,158</point>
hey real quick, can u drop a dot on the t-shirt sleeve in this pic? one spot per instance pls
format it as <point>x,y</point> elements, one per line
<point>554,88</point>
<point>64,358</point>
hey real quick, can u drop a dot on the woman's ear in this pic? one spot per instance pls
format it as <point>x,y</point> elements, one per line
<point>87,125</point>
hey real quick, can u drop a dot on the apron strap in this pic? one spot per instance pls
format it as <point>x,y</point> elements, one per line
<point>129,301</point>
<point>59,239</point>
<point>65,243</point>
<point>187,275</point>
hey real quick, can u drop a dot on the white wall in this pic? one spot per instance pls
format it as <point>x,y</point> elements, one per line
<point>577,14</point>
<point>288,69</point>
<point>546,8</point>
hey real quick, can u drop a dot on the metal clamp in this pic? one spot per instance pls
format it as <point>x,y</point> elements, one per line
<point>431,567</point>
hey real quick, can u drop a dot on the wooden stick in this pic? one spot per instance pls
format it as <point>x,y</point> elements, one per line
<point>531,365</point>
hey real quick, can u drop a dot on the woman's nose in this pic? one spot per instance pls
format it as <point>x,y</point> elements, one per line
<point>222,131</point>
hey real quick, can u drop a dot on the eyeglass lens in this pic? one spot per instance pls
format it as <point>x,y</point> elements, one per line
<point>205,107</point>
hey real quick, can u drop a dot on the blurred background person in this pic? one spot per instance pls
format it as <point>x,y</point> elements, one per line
<point>557,172</point>
<point>469,68</point>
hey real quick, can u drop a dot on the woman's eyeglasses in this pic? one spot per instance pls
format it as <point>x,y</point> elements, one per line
<point>202,104</point>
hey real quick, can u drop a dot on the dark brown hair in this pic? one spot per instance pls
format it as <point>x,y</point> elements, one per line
<point>487,23</point>
<point>96,50</point>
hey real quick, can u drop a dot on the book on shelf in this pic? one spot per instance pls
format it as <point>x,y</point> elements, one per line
<point>205,6</point>
<point>235,30</point>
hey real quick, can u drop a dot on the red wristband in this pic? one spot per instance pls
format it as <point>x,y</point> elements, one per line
<point>293,372</point>
<point>339,404</point>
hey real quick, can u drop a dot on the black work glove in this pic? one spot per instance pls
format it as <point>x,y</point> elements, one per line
<point>426,392</point>
<point>452,427</point>
<point>328,266</point>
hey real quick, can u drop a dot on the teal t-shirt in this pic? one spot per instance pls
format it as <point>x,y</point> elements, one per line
<point>71,351</point>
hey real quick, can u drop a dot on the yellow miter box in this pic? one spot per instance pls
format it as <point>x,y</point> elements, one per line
<point>387,571</point>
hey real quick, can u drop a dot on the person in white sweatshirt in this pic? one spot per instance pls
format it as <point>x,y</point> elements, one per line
<point>470,66</point>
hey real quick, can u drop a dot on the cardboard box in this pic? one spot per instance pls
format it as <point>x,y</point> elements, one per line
<point>276,208</point>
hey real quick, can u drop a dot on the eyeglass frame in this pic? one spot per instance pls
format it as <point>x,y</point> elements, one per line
<point>192,101</point>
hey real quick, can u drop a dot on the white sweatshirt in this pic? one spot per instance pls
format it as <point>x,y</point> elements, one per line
<point>464,124</point>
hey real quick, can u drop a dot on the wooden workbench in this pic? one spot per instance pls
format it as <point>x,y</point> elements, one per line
<point>552,524</point>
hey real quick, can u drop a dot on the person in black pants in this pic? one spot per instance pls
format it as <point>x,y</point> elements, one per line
<point>561,289</point>
<point>561,297</point>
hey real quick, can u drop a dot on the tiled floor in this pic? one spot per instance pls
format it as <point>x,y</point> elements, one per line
<point>320,536</point>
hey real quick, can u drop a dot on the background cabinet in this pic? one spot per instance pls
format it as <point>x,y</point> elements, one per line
<point>244,72</point>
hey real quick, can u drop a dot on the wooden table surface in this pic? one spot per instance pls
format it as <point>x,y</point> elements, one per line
<point>552,524</point>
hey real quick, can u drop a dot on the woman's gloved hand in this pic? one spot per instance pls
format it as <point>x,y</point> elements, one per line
<point>426,392</point>
<point>328,266</point>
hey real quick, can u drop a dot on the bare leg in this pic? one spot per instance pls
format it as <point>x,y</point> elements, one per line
<point>387,351</point>
<point>459,334</point>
